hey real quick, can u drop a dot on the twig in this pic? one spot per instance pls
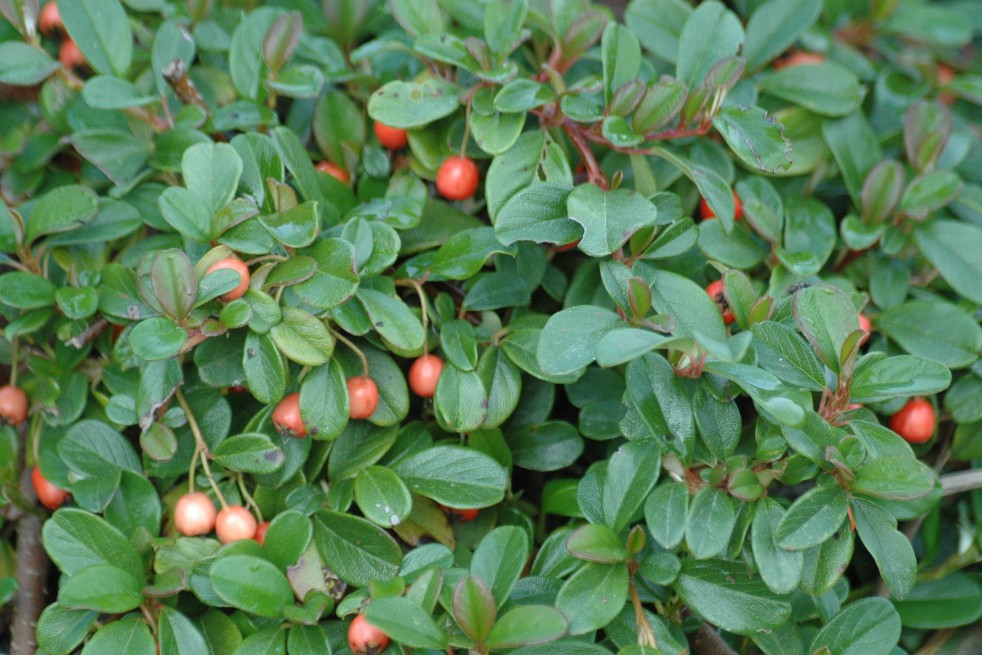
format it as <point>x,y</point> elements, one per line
<point>200,448</point>
<point>176,75</point>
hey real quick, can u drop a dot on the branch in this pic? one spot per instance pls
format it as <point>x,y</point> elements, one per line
<point>955,483</point>
<point>706,641</point>
<point>32,571</point>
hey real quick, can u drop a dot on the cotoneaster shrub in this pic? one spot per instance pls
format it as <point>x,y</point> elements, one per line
<point>659,287</point>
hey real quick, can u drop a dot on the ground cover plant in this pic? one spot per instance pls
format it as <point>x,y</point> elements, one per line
<point>511,326</point>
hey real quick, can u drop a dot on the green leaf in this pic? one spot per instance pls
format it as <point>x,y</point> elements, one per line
<point>211,172</point>
<point>336,278</point>
<point>869,626</point>
<point>61,630</point>
<point>726,596</point>
<point>246,63</point>
<point>779,568</point>
<point>26,290</point>
<point>120,155</point>
<point>102,32</point>
<point>596,543</point>
<point>609,218</point>
<point>24,65</point>
<point>621,57</point>
<point>465,253</point>
<point>954,600</point>
<point>892,551</point>
<point>499,560</point>
<point>393,320</point>
<point>632,472</point>
<point>711,33</point>
<point>157,338</point>
<point>593,596</point>
<point>103,588</point>
<point>812,519</point>
<point>474,608</point>
<point>783,352</point>
<point>264,368</point>
<point>884,378</point>
<point>931,191</point>
<point>855,148</point>
<point>382,497</point>
<point>709,523</point>
<point>665,513</point>
<point>896,477</point>
<point>755,137</point>
<point>826,316</point>
<point>454,476</point>
<point>460,399</point>
<point>827,88</point>
<point>251,584</point>
<point>324,401</point>
<point>252,452</point>
<point>503,21</point>
<point>296,227</point>
<point>952,247</point>
<point>177,635</point>
<point>355,549</point>
<point>537,213</point>
<point>307,640</point>
<point>694,311</point>
<point>131,636</point>
<point>76,539</point>
<point>658,24</point>
<point>548,446</point>
<point>288,536</point>
<point>568,342</point>
<point>529,625</point>
<point>532,156</point>
<point>405,622</point>
<point>62,209</point>
<point>107,92</point>
<point>185,213</point>
<point>417,18</point>
<point>775,25</point>
<point>413,104</point>
<point>302,338</point>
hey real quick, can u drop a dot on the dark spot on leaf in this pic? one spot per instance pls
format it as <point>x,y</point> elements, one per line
<point>380,324</point>
<point>250,352</point>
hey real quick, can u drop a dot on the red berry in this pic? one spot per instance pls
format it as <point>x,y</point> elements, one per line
<point>424,375</point>
<point>715,291</point>
<point>261,530</point>
<point>567,246</point>
<point>945,75</point>
<point>706,212</point>
<point>364,638</point>
<point>69,55</point>
<point>286,416</point>
<point>457,178</point>
<point>391,138</point>
<point>235,523</point>
<point>50,19</point>
<point>915,421</point>
<point>239,267</point>
<point>50,496</point>
<point>362,396</point>
<point>13,405</point>
<point>459,515</point>
<point>194,514</point>
<point>335,171</point>
<point>865,324</point>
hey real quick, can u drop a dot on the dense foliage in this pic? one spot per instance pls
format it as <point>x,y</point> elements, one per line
<point>442,326</point>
